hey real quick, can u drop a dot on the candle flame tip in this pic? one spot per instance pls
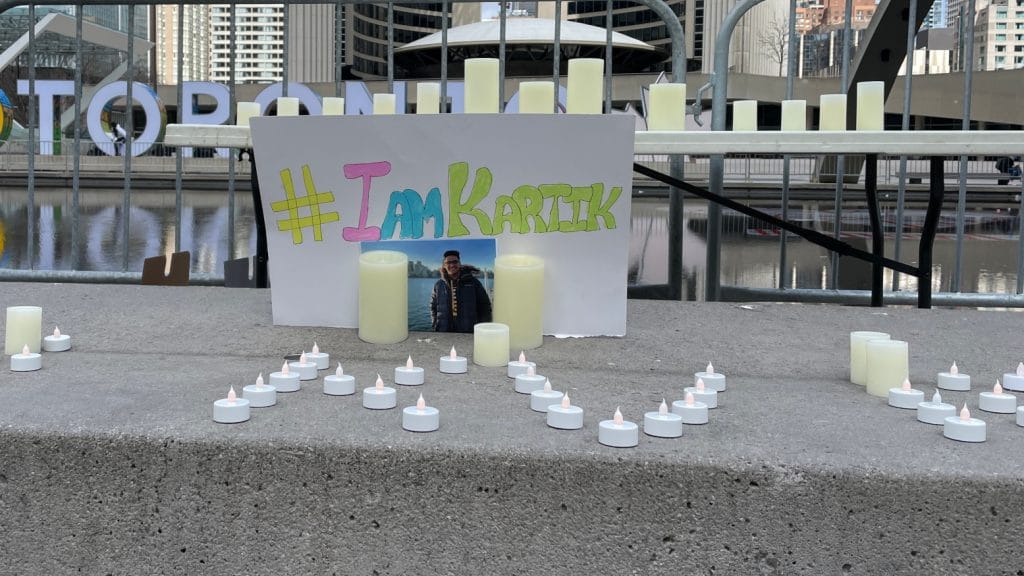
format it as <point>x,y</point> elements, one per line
<point>953,369</point>
<point>1020,369</point>
<point>232,397</point>
<point>547,385</point>
<point>906,384</point>
<point>700,384</point>
<point>663,408</point>
<point>522,356</point>
<point>379,384</point>
<point>998,388</point>
<point>25,349</point>
<point>617,417</point>
<point>566,403</point>
<point>421,404</point>
<point>316,349</point>
<point>965,414</point>
<point>408,362</point>
<point>710,369</point>
<point>302,357</point>
<point>284,368</point>
<point>689,399</point>
<point>56,332</point>
<point>936,398</point>
<point>339,372</point>
<point>452,354</point>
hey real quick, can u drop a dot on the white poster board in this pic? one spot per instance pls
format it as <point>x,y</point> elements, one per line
<point>555,186</point>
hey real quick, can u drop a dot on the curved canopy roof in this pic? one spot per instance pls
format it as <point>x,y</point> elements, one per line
<point>527,31</point>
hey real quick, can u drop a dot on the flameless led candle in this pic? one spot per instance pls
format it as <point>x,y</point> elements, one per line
<point>871,106</point>
<point>565,416</point>
<point>259,394</point>
<point>1020,416</point>
<point>26,361</point>
<point>421,418</point>
<point>481,86</point>
<point>519,298</point>
<point>744,116</point>
<point>529,382</point>
<point>832,115</point>
<point>428,98</point>
<point>231,410</point>
<point>1015,381</point>
<point>384,297</point>
<point>333,106</point>
<point>453,363</point>
<point>321,359</point>
<point>963,427</point>
<point>379,397</point>
<point>24,326</point>
<point>383,104</point>
<point>244,111</point>
<point>585,86</point>
<point>409,375</point>
<point>691,411</point>
<point>339,383</point>
<point>618,433</point>
<point>537,97</point>
<point>905,396</point>
<point>57,342</point>
<point>936,411</point>
<point>997,401</point>
<point>666,107</point>
<point>541,399</point>
<point>285,380</point>
<point>858,354</point>
<point>490,344</point>
<point>305,369</point>
<point>712,379</point>
<point>287,106</point>
<point>794,115</point>
<point>520,366</point>
<point>954,380</point>
<point>888,365</point>
<point>703,394</point>
<point>663,424</point>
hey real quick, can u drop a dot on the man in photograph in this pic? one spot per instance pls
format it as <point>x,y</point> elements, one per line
<point>459,300</point>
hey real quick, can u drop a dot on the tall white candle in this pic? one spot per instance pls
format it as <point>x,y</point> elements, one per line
<point>287,106</point>
<point>244,111</point>
<point>490,344</point>
<point>888,365</point>
<point>871,106</point>
<point>24,326</point>
<point>537,97</point>
<point>858,354</point>
<point>832,115</point>
<point>334,106</point>
<point>585,90</point>
<point>794,115</point>
<point>383,297</point>
<point>519,298</point>
<point>666,107</point>
<point>428,98</point>
<point>481,89</point>
<point>383,104</point>
<point>744,116</point>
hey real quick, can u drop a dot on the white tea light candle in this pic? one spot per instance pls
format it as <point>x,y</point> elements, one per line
<point>287,106</point>
<point>285,380</point>
<point>712,379</point>
<point>997,401</point>
<point>453,363</point>
<point>888,365</point>
<point>954,380</point>
<point>481,86</point>
<point>963,427</point>
<point>383,297</point>
<point>490,344</point>
<point>24,326</point>
<point>537,97</point>
<point>339,383</point>
<point>832,114</point>
<point>936,411</point>
<point>421,418</point>
<point>26,361</point>
<point>794,115</point>
<point>231,410</point>
<point>244,111</point>
<point>519,298</point>
<point>384,104</point>
<point>428,98</point>
<point>333,106</point>
<point>871,106</point>
<point>565,416</point>
<point>666,105</point>
<point>259,394</point>
<point>529,382</point>
<point>1015,381</point>
<point>304,368</point>
<point>702,393</point>
<point>663,424</point>
<point>379,397</point>
<point>1020,416</point>
<point>905,396</point>
<point>858,354</point>
<point>409,375</point>
<point>541,399</point>
<point>744,116</point>
<point>520,365</point>
<point>57,342</point>
<point>321,359</point>
<point>618,433</point>
<point>691,411</point>
<point>585,86</point>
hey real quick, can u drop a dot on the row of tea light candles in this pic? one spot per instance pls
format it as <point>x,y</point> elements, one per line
<point>666,106</point>
<point>23,340</point>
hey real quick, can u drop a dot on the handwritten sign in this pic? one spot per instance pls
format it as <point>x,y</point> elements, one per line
<point>555,186</point>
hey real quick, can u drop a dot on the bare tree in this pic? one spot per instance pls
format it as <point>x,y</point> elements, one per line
<point>774,38</point>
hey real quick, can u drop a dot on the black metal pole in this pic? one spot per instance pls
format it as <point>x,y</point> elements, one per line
<point>259,274</point>
<point>936,192</point>
<point>877,232</point>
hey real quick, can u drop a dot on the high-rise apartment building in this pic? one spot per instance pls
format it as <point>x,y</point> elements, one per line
<point>999,35</point>
<point>257,45</point>
<point>196,43</point>
<point>822,27</point>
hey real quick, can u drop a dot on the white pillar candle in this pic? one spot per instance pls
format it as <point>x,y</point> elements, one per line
<point>26,360</point>
<point>663,424</point>
<point>244,111</point>
<point>888,365</point>
<point>832,112</point>
<point>963,427</point>
<point>618,433</point>
<point>409,375</point>
<point>702,393</point>
<point>520,365</point>
<point>57,342</point>
<point>712,379</point>
<point>691,411</point>
<point>231,410</point>
<point>858,354</point>
<point>519,298</point>
<point>339,383</point>
<point>481,86</point>
<point>453,363</point>
<point>666,105</point>
<point>1015,381</point>
<point>383,297</point>
<point>871,106</point>
<point>333,106</point>
<point>379,396</point>
<point>24,326</point>
<point>421,418</point>
<point>304,368</point>
<point>744,116</point>
<point>997,401</point>
<point>529,382</point>
<point>428,98</point>
<point>905,396</point>
<point>321,359</point>
<point>287,106</point>
<point>546,396</point>
<point>490,344</point>
<point>585,86</point>
<point>537,97</point>
<point>259,394</point>
<point>383,104</point>
<point>285,380</point>
<point>565,416</point>
<point>794,115</point>
<point>954,380</point>
<point>936,411</point>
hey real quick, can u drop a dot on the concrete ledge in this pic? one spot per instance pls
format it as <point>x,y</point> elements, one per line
<point>110,463</point>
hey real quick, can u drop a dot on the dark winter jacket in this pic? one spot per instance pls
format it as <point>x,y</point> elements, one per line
<point>470,305</point>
